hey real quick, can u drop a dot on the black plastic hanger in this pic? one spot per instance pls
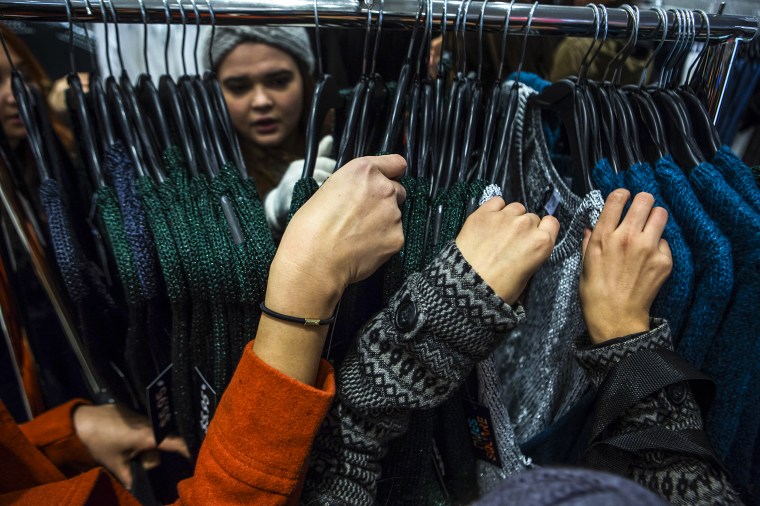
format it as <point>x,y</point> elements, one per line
<point>149,97</point>
<point>171,99</point>
<point>501,162</point>
<point>86,133</point>
<point>216,95</point>
<point>326,97</point>
<point>393,125</point>
<point>374,93</point>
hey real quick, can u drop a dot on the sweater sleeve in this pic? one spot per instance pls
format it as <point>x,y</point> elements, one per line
<point>53,434</point>
<point>258,442</point>
<point>412,355</point>
<point>683,478</point>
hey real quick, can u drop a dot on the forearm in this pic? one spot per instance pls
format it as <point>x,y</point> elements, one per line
<point>685,472</point>
<point>412,355</point>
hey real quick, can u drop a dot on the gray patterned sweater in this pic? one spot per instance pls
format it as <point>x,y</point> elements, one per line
<point>416,352</point>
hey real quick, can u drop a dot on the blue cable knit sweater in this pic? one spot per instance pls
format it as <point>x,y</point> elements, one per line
<point>734,419</point>
<point>673,300</point>
<point>713,265</point>
<point>738,176</point>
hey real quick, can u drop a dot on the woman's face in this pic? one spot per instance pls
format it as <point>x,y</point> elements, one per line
<point>263,89</point>
<point>9,116</point>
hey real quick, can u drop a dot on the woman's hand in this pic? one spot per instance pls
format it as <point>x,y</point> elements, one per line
<point>624,266</point>
<point>346,230</point>
<point>506,245</point>
<point>115,436</point>
<point>57,95</point>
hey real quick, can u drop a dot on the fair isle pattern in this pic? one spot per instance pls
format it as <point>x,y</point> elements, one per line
<point>388,373</point>
<point>598,360</point>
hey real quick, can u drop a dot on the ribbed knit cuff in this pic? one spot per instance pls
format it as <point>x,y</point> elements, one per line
<point>599,359</point>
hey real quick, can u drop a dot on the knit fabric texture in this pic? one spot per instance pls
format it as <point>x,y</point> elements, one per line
<point>294,41</point>
<point>711,255</point>
<point>674,299</point>
<point>569,487</point>
<point>540,377</point>
<point>734,416</point>
<point>391,372</point>
<point>738,176</point>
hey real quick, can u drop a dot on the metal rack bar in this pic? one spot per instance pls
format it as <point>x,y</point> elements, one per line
<point>548,20</point>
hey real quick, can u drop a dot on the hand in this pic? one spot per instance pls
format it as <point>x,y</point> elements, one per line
<point>57,96</point>
<point>505,245</point>
<point>436,47</point>
<point>277,201</point>
<point>624,266</point>
<point>348,228</point>
<point>115,436</point>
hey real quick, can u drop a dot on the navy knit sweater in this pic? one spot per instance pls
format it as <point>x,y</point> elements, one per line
<point>738,176</point>
<point>734,417</point>
<point>713,265</point>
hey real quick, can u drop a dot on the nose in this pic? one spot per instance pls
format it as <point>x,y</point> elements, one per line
<point>6,93</point>
<point>261,99</point>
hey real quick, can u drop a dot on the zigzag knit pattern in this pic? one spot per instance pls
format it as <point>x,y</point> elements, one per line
<point>390,372</point>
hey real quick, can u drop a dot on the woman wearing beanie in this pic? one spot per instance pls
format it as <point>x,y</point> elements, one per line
<point>266,77</point>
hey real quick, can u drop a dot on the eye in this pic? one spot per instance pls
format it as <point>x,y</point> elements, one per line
<point>237,87</point>
<point>280,81</point>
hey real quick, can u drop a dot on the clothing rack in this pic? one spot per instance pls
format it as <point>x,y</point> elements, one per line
<point>547,19</point>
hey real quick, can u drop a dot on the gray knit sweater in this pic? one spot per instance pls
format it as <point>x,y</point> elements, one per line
<point>415,354</point>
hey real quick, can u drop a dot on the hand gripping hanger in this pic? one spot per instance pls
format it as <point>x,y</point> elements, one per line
<point>326,97</point>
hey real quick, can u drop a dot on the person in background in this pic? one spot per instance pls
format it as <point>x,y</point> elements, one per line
<point>266,76</point>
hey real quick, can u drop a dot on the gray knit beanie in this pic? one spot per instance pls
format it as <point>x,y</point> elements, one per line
<point>294,41</point>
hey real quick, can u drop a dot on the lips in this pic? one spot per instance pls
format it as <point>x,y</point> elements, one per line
<point>265,125</point>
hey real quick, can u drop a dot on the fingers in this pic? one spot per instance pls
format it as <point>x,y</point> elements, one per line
<point>664,248</point>
<point>150,460</point>
<point>613,210</point>
<point>391,166</point>
<point>175,444</point>
<point>638,214</point>
<point>400,192</point>
<point>494,204</point>
<point>550,225</point>
<point>655,225</point>
<point>515,209</point>
<point>586,239</point>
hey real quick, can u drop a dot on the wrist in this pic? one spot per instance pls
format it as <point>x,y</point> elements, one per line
<point>615,326</point>
<point>303,292</point>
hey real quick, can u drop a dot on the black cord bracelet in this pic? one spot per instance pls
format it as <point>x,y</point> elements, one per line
<point>309,322</point>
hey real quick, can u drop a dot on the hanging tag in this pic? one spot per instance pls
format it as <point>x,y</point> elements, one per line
<point>483,439</point>
<point>160,406</point>
<point>440,468</point>
<point>553,202</point>
<point>207,397</point>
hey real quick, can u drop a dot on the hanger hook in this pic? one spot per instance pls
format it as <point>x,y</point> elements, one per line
<point>663,21</point>
<point>427,35</point>
<point>504,33</point>
<point>90,40</point>
<point>70,20</point>
<point>144,16</point>
<point>116,30</point>
<point>168,13</point>
<point>480,38</point>
<point>616,64</point>
<point>597,29</point>
<point>701,56</point>
<point>458,32</point>
<point>183,17</point>
<point>604,20</point>
<point>367,36</point>
<point>213,32</point>
<point>525,44</point>
<point>105,35</point>
<point>197,14</point>
<point>377,35</point>
<point>317,42</point>
<point>444,20</point>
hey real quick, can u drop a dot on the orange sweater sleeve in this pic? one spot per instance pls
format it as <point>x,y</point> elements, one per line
<point>258,443</point>
<point>53,434</point>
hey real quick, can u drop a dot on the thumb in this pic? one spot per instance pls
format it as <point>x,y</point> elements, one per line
<point>586,239</point>
<point>174,444</point>
<point>150,460</point>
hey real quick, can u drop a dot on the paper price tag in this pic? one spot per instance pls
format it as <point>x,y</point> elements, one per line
<point>160,405</point>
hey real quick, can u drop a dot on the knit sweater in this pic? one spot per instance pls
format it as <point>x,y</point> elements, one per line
<point>738,176</point>
<point>396,367</point>
<point>675,296</point>
<point>540,348</point>
<point>734,417</point>
<point>711,254</point>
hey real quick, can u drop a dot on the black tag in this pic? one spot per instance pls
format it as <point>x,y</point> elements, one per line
<point>440,468</point>
<point>481,432</point>
<point>207,402</point>
<point>160,406</point>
